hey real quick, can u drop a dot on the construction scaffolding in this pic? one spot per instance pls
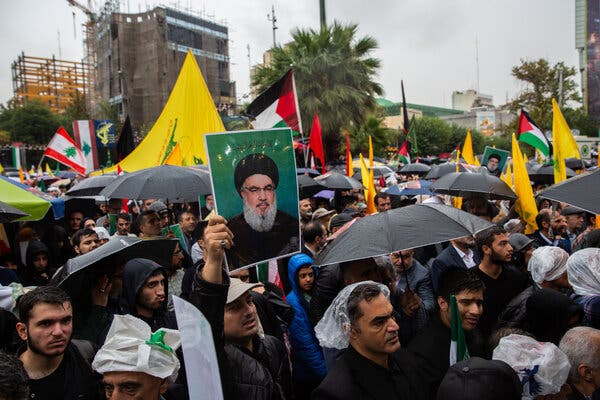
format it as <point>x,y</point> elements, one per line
<point>48,80</point>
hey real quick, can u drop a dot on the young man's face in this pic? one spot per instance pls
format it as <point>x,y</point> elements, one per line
<point>151,226</point>
<point>470,308</point>
<point>133,386</point>
<point>241,321</point>
<point>152,294</point>
<point>49,328</point>
<point>87,243</point>
<point>75,221</point>
<point>376,332</point>
<point>123,226</point>
<point>259,193</point>
<point>383,204</point>
<point>306,278</point>
<point>501,251</point>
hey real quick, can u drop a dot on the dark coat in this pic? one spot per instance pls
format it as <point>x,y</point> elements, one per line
<point>252,246</point>
<point>515,313</point>
<point>28,275</point>
<point>446,259</point>
<point>327,285</point>
<point>356,377</point>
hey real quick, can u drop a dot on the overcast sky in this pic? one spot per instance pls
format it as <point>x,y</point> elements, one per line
<point>430,44</point>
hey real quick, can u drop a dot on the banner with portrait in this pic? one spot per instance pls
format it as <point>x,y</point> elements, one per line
<point>255,188</point>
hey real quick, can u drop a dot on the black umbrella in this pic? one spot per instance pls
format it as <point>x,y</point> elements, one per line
<point>78,273</point>
<point>544,173</point>
<point>335,180</point>
<point>91,186</point>
<point>576,163</point>
<point>400,229</point>
<point>308,187</point>
<point>177,184</point>
<point>437,171</point>
<point>466,184</point>
<point>583,191</point>
<point>8,213</point>
<point>415,168</point>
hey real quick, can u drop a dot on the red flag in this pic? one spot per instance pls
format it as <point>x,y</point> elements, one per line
<point>315,142</point>
<point>124,202</point>
<point>63,149</point>
<point>382,181</point>
<point>348,156</point>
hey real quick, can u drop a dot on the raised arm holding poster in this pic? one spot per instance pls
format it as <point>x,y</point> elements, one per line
<point>255,189</point>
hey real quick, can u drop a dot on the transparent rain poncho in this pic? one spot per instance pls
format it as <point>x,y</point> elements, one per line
<point>547,263</point>
<point>583,269</point>
<point>333,329</point>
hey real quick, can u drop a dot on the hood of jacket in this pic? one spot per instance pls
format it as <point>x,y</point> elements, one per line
<point>295,263</point>
<point>548,315</point>
<point>135,273</point>
<point>34,247</point>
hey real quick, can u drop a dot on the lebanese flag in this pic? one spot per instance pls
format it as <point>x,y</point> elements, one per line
<point>532,135</point>
<point>315,143</point>
<point>403,154</point>
<point>63,149</point>
<point>277,107</point>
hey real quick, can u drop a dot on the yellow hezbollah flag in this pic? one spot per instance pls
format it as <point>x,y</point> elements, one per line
<point>457,200</point>
<point>175,158</point>
<point>563,143</point>
<point>525,205</point>
<point>367,181</point>
<point>507,177</point>
<point>189,113</point>
<point>467,150</point>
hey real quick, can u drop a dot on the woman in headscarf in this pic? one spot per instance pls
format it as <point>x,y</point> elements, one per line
<point>583,268</point>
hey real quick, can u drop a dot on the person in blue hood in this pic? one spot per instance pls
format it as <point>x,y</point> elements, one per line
<point>308,361</point>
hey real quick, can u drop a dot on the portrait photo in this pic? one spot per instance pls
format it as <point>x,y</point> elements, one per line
<point>494,160</point>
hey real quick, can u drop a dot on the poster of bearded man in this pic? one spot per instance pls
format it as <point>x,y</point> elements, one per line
<point>254,185</point>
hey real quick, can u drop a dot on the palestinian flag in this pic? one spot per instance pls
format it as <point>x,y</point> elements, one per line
<point>532,135</point>
<point>63,149</point>
<point>458,343</point>
<point>277,107</point>
<point>403,153</point>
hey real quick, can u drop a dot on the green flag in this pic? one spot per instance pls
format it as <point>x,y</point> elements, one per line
<point>458,344</point>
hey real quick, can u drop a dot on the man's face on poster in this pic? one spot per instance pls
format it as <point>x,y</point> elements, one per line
<point>492,164</point>
<point>260,204</point>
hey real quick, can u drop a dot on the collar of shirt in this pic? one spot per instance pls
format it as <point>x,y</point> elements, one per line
<point>545,238</point>
<point>466,257</point>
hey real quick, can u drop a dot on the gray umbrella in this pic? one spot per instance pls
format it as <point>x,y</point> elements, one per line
<point>415,168</point>
<point>91,186</point>
<point>400,229</point>
<point>437,171</point>
<point>78,273</point>
<point>308,187</point>
<point>335,180</point>
<point>583,191</point>
<point>8,213</point>
<point>544,173</point>
<point>177,184</point>
<point>466,184</point>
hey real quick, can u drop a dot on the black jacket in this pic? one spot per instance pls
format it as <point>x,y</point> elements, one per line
<point>262,374</point>
<point>515,313</point>
<point>356,377</point>
<point>446,259</point>
<point>328,284</point>
<point>28,275</point>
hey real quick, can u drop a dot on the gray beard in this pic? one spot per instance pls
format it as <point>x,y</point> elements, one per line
<point>260,223</point>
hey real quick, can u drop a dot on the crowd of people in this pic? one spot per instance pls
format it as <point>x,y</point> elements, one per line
<point>528,307</point>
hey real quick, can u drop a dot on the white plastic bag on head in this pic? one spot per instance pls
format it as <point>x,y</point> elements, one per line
<point>333,329</point>
<point>542,367</point>
<point>131,346</point>
<point>583,269</point>
<point>547,263</point>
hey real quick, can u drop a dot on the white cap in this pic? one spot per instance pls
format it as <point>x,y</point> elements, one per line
<point>132,347</point>
<point>547,263</point>
<point>583,269</point>
<point>102,232</point>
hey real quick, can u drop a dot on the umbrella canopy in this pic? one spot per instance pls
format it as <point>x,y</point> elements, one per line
<point>465,184</point>
<point>415,168</point>
<point>583,191</point>
<point>411,188</point>
<point>8,213</point>
<point>544,173</point>
<point>29,200</point>
<point>307,171</point>
<point>91,186</point>
<point>576,163</point>
<point>400,229</point>
<point>177,184</point>
<point>308,187</point>
<point>76,276</point>
<point>335,180</point>
<point>437,171</point>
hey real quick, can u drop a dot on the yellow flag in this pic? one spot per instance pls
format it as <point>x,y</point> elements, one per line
<point>563,143</point>
<point>525,205</point>
<point>457,200</point>
<point>507,177</point>
<point>49,171</point>
<point>21,177</point>
<point>370,152</point>
<point>188,114</point>
<point>467,150</point>
<point>1,168</point>
<point>367,181</point>
<point>175,157</point>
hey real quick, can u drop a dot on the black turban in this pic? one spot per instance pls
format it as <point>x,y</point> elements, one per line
<point>252,164</point>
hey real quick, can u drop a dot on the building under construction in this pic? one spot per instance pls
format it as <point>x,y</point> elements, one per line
<point>48,80</point>
<point>138,58</point>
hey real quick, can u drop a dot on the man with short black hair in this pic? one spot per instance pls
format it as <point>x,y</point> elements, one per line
<point>149,224</point>
<point>314,237</point>
<point>187,222</point>
<point>55,367</point>
<point>383,202</point>
<point>85,240</point>
<point>123,225</point>
<point>502,281</point>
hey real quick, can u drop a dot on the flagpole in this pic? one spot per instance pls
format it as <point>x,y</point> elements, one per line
<point>305,150</point>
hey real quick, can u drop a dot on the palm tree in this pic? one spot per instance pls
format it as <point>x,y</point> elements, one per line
<point>334,77</point>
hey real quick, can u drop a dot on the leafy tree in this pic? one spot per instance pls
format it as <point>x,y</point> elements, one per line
<point>4,137</point>
<point>381,136</point>
<point>434,135</point>
<point>334,75</point>
<point>33,122</point>
<point>77,109</point>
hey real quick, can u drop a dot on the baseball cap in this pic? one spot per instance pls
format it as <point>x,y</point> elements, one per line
<point>321,212</point>
<point>238,288</point>
<point>158,206</point>
<point>570,210</point>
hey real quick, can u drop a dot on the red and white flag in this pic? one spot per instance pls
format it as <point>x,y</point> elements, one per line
<point>63,149</point>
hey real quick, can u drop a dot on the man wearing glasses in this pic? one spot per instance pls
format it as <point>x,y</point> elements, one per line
<point>261,231</point>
